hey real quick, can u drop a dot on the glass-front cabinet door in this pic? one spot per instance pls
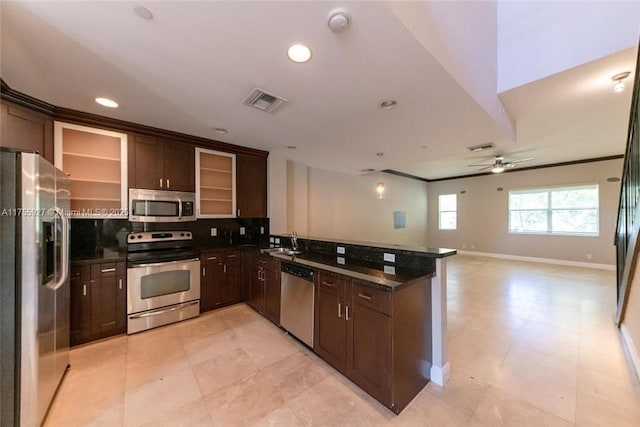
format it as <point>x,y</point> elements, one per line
<point>96,162</point>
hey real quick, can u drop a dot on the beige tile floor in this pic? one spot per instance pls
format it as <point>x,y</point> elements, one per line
<point>529,344</point>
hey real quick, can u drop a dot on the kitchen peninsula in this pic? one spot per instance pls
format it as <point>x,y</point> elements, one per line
<point>380,312</point>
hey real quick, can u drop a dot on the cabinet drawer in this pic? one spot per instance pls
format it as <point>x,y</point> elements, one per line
<point>371,297</point>
<point>331,283</point>
<point>268,262</point>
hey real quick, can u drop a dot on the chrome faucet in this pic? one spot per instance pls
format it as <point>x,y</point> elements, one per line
<point>294,241</point>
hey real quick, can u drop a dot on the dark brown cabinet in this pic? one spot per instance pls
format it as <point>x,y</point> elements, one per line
<point>221,282</point>
<point>251,182</point>
<point>159,164</point>
<point>98,301</point>
<point>264,290</point>
<point>378,338</point>
<point>330,325</point>
<point>26,130</point>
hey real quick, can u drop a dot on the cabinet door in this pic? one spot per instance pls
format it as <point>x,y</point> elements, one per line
<point>121,299</point>
<point>104,300</point>
<point>331,329</point>
<point>231,286</point>
<point>147,163</point>
<point>272,295</point>
<point>27,130</point>
<point>80,316</point>
<point>369,351</point>
<point>212,275</point>
<point>179,166</point>
<point>251,179</point>
<point>256,288</point>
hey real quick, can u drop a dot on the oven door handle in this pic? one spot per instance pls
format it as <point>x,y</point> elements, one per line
<point>163,310</point>
<point>158,264</point>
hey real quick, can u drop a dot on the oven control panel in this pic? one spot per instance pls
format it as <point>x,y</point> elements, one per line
<point>158,236</point>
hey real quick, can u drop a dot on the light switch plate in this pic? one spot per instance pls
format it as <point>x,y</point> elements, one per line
<point>271,240</point>
<point>340,250</point>
<point>389,269</point>
<point>277,240</point>
<point>340,260</point>
<point>389,257</point>
<point>242,231</point>
<point>214,231</point>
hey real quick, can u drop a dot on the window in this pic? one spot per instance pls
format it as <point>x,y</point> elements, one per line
<point>447,208</point>
<point>562,210</point>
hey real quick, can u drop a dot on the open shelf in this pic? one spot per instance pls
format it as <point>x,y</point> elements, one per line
<point>91,156</point>
<point>214,170</point>
<point>210,187</point>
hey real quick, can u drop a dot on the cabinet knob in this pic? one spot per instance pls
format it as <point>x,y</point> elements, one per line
<point>339,310</point>
<point>204,272</point>
<point>328,284</point>
<point>84,290</point>
<point>168,183</point>
<point>160,182</point>
<point>363,296</point>
<point>107,270</point>
<point>346,309</point>
<point>120,283</point>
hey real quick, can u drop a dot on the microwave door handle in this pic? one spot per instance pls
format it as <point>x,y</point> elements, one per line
<point>65,249</point>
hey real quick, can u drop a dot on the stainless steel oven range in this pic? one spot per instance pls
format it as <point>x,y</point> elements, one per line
<point>163,279</point>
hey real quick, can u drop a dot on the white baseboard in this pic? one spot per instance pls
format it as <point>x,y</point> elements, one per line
<point>440,374</point>
<point>541,260</point>
<point>631,349</point>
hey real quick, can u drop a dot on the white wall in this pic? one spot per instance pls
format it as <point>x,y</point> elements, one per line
<point>320,203</point>
<point>483,214</point>
<point>537,39</point>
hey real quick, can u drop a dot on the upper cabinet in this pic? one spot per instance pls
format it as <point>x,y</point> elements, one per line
<point>26,130</point>
<point>215,184</point>
<point>159,164</point>
<point>252,186</point>
<point>96,161</point>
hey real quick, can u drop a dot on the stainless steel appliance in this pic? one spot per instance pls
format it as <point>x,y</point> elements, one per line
<point>163,279</point>
<point>296,301</point>
<point>34,292</point>
<point>161,206</point>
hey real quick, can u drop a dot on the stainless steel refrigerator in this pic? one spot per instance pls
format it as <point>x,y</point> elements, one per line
<point>34,292</point>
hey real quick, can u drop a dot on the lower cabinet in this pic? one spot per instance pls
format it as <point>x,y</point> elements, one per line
<point>264,288</point>
<point>378,338</point>
<point>221,282</point>
<point>98,301</point>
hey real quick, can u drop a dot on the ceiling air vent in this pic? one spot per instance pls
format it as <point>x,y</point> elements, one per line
<point>477,148</point>
<point>265,101</point>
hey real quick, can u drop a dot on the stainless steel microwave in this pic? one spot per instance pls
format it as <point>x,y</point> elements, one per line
<point>161,206</point>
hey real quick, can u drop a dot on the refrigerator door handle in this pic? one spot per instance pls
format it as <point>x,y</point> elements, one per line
<point>65,249</point>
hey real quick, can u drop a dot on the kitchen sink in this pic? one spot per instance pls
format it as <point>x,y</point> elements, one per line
<point>285,251</point>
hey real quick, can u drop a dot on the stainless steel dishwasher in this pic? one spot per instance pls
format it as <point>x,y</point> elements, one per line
<point>296,301</point>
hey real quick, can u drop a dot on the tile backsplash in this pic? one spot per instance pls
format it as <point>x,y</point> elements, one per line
<point>91,236</point>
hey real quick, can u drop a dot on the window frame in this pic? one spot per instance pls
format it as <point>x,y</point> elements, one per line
<point>550,210</point>
<point>441,211</point>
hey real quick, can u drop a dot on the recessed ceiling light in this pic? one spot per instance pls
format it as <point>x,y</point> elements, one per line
<point>291,147</point>
<point>388,104</point>
<point>106,102</point>
<point>220,130</point>
<point>143,12</point>
<point>299,53</point>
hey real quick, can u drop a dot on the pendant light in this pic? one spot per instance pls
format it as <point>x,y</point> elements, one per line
<point>380,190</point>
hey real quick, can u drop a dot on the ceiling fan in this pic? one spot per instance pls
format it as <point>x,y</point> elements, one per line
<point>499,165</point>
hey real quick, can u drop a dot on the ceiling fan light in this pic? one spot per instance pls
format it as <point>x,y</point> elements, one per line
<point>619,87</point>
<point>497,169</point>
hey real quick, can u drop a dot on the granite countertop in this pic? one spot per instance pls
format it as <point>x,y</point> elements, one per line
<point>386,275</point>
<point>431,252</point>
